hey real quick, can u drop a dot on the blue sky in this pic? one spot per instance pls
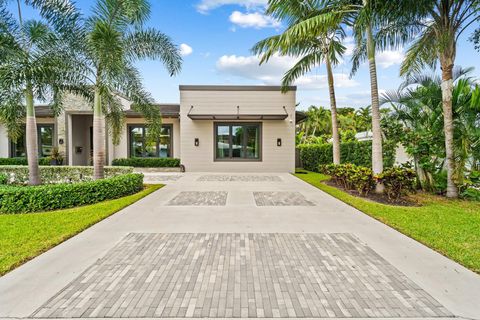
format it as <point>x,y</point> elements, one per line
<point>216,37</point>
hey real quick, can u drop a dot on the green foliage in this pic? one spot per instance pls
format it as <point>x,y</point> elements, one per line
<point>22,161</point>
<point>355,152</point>
<point>3,178</point>
<point>398,181</point>
<point>471,193</point>
<point>24,199</point>
<point>351,177</point>
<point>59,174</point>
<point>147,162</point>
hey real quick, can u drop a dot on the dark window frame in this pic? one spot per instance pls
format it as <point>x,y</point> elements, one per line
<point>157,152</point>
<point>238,159</point>
<point>13,145</point>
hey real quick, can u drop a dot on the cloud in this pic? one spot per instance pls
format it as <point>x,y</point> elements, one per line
<point>206,5</point>
<point>389,58</point>
<point>271,73</point>
<point>349,44</point>
<point>253,20</point>
<point>185,50</point>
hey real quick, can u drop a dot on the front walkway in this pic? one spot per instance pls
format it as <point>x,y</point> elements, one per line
<point>239,245</point>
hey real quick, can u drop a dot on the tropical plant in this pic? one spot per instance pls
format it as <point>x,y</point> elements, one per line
<point>108,43</point>
<point>439,23</point>
<point>317,123</point>
<point>35,64</point>
<point>313,48</point>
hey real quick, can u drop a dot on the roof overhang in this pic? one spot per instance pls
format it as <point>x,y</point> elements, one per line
<point>238,116</point>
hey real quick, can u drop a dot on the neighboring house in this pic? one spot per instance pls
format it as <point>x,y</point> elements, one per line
<point>401,155</point>
<point>214,128</point>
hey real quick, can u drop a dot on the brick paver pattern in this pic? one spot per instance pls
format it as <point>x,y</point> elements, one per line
<point>281,198</point>
<point>241,275</point>
<point>199,198</point>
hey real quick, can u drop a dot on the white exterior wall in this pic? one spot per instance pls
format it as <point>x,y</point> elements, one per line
<point>3,142</point>
<point>121,150</point>
<point>201,158</point>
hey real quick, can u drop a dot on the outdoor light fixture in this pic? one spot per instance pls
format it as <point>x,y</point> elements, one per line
<point>197,142</point>
<point>279,142</point>
<point>60,141</point>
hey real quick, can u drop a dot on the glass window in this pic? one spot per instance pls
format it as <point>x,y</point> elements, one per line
<point>45,135</point>
<point>144,146</point>
<point>237,141</point>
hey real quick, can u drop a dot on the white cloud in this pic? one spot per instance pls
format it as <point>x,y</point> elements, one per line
<point>253,20</point>
<point>206,5</point>
<point>389,58</point>
<point>349,44</point>
<point>185,50</point>
<point>272,72</point>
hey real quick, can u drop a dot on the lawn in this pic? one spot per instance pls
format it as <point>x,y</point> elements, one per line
<point>25,236</point>
<point>451,227</point>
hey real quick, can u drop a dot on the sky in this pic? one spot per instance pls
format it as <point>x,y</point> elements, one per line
<point>215,38</point>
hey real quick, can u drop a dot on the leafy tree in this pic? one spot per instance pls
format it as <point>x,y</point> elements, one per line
<point>108,44</point>
<point>313,48</point>
<point>439,23</point>
<point>35,64</point>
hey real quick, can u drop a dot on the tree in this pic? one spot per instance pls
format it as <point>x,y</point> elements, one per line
<point>439,24</point>
<point>34,64</point>
<point>108,43</point>
<point>313,48</point>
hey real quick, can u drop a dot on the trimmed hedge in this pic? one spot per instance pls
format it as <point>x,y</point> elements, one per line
<point>24,199</point>
<point>59,174</point>
<point>355,152</point>
<point>22,161</point>
<point>147,162</point>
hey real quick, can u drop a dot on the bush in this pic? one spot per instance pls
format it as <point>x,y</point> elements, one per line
<point>59,174</point>
<point>351,177</point>
<point>356,152</point>
<point>23,199</point>
<point>147,162</point>
<point>471,193</point>
<point>22,161</point>
<point>398,181</point>
<point>3,178</point>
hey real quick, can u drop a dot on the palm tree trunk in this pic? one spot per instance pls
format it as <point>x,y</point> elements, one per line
<point>98,137</point>
<point>447,89</point>
<point>333,110</point>
<point>377,152</point>
<point>31,137</point>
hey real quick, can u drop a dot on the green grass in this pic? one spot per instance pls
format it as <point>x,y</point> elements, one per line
<point>451,227</point>
<point>25,236</point>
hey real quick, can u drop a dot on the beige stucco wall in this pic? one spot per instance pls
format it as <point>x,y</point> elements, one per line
<point>201,158</point>
<point>3,142</point>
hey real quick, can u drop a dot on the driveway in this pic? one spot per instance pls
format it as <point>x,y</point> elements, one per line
<point>239,245</point>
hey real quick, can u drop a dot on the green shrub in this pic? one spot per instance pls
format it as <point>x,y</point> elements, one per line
<point>59,174</point>
<point>147,162</point>
<point>23,199</point>
<point>471,193</point>
<point>356,152</point>
<point>398,181</point>
<point>22,161</point>
<point>351,177</point>
<point>3,178</point>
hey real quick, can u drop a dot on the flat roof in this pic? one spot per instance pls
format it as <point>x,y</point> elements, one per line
<point>232,88</point>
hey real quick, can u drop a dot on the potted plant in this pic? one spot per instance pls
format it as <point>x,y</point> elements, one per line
<point>56,158</point>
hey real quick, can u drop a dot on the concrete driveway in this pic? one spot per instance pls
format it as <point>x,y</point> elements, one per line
<point>239,245</point>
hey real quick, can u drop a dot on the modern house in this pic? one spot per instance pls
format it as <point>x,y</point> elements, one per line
<point>214,128</point>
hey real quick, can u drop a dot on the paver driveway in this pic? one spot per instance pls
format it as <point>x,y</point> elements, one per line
<point>239,245</point>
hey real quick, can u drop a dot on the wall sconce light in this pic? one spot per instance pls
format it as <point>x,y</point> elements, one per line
<point>279,142</point>
<point>60,141</point>
<point>197,142</point>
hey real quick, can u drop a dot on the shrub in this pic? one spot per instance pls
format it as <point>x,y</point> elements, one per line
<point>351,177</point>
<point>398,181</point>
<point>3,178</point>
<point>22,161</point>
<point>471,193</point>
<point>355,152</point>
<point>147,162</point>
<point>59,174</point>
<point>23,199</point>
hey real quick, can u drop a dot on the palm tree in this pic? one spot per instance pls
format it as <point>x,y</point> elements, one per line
<point>34,64</point>
<point>439,24</point>
<point>111,40</point>
<point>363,117</point>
<point>314,48</point>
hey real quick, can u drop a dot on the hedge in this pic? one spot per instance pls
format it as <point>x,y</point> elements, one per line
<point>59,174</point>
<point>356,152</point>
<point>24,199</point>
<point>22,161</point>
<point>147,162</point>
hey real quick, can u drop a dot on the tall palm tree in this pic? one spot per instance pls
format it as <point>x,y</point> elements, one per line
<point>439,24</point>
<point>109,42</point>
<point>314,48</point>
<point>34,64</point>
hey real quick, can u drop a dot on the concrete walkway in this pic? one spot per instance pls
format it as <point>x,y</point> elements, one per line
<point>239,245</point>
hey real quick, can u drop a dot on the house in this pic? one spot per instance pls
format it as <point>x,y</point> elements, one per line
<point>214,128</point>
